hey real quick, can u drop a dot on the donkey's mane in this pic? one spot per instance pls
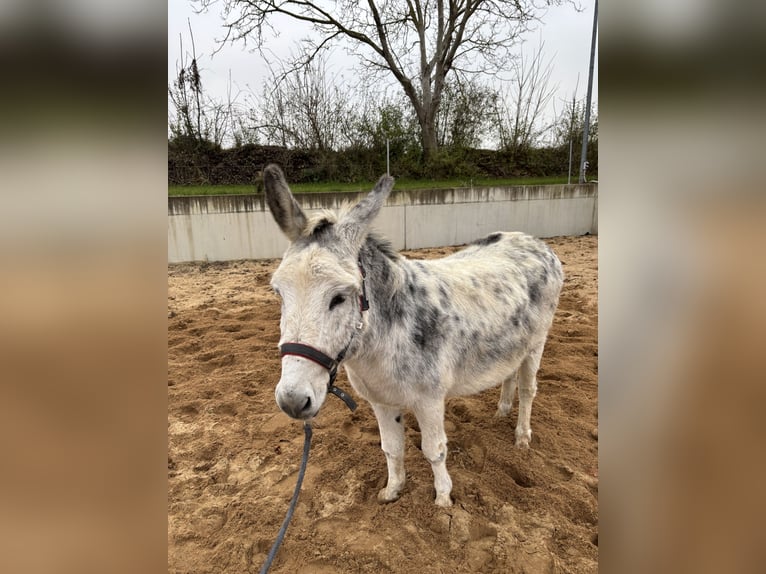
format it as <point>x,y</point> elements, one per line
<point>326,218</point>
<point>318,222</point>
<point>382,245</point>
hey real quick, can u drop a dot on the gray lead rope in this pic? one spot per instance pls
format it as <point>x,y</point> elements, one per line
<point>293,502</point>
<point>301,473</point>
<point>304,461</point>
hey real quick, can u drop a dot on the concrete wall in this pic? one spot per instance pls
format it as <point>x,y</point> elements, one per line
<point>229,227</point>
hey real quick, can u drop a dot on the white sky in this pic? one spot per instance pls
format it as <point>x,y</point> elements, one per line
<point>565,32</point>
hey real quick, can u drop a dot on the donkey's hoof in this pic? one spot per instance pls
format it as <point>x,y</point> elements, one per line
<point>523,439</point>
<point>384,496</point>
<point>443,500</point>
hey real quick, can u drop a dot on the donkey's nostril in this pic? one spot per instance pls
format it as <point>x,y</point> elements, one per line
<point>306,406</point>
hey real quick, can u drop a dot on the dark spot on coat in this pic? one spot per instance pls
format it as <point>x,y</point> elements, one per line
<point>425,331</point>
<point>396,310</point>
<point>527,321</point>
<point>488,240</point>
<point>398,418</point>
<point>534,292</point>
<point>385,271</point>
<point>474,337</point>
<point>444,298</point>
<point>521,317</point>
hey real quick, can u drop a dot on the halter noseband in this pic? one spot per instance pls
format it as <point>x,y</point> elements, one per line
<point>324,360</point>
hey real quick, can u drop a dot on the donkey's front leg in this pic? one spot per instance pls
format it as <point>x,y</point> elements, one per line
<point>392,442</point>
<point>430,417</point>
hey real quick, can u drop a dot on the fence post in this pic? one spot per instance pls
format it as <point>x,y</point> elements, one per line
<point>586,127</point>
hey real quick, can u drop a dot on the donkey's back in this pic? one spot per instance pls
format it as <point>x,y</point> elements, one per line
<point>509,286</point>
<point>466,322</point>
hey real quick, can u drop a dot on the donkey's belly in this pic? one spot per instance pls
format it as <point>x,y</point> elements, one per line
<point>381,385</point>
<point>472,381</point>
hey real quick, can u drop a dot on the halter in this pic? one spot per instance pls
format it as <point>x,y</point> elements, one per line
<point>324,360</point>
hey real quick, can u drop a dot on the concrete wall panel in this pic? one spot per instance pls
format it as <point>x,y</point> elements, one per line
<point>224,228</point>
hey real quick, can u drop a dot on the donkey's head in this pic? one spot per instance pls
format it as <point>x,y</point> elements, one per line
<point>320,284</point>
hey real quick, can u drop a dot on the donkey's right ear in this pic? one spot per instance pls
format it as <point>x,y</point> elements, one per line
<point>286,211</point>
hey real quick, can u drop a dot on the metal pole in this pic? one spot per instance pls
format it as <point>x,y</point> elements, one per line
<point>586,127</point>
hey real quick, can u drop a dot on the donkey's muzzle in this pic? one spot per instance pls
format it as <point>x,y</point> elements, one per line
<point>296,405</point>
<point>291,401</point>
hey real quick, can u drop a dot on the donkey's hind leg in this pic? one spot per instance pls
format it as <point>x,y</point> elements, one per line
<point>507,394</point>
<point>527,391</point>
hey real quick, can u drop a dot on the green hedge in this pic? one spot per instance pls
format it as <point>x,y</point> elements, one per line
<point>194,164</point>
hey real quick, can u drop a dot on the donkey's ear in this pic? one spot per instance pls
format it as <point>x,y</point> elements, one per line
<point>356,222</point>
<point>286,211</point>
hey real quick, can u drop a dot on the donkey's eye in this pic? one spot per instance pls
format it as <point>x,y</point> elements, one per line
<point>337,300</point>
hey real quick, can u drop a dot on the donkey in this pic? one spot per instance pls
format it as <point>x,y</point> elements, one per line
<point>410,333</point>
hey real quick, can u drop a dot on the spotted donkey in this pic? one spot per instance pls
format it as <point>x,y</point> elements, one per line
<point>434,329</point>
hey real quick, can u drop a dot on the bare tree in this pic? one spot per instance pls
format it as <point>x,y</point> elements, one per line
<point>524,100</point>
<point>196,117</point>
<point>302,107</point>
<point>184,94</point>
<point>244,126</point>
<point>419,42</point>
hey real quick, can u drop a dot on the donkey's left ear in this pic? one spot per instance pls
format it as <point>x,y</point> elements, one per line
<point>358,219</point>
<point>285,210</point>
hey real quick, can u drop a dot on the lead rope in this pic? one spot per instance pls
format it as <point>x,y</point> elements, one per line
<point>304,462</point>
<point>293,502</point>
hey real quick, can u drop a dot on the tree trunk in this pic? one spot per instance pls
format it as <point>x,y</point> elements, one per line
<point>425,111</point>
<point>432,95</point>
<point>428,140</point>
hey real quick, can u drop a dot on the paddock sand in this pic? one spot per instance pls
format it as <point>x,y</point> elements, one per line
<point>233,457</point>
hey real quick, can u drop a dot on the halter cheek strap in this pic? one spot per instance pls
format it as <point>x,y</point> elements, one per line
<point>323,360</point>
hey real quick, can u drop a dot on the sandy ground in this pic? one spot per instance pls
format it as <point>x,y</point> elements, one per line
<point>233,456</point>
